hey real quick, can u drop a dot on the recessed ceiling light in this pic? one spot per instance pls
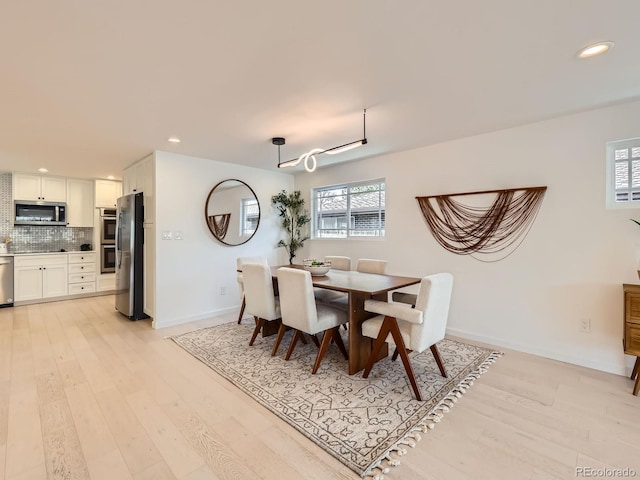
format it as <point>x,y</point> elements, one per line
<point>43,170</point>
<point>595,49</point>
<point>111,177</point>
<point>174,139</point>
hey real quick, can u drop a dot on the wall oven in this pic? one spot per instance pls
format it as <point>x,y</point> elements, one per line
<point>107,226</point>
<point>107,258</point>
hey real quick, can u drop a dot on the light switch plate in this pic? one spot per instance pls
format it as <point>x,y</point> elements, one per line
<point>177,235</point>
<point>166,235</point>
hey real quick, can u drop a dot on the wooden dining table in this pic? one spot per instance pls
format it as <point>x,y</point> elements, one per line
<point>359,287</point>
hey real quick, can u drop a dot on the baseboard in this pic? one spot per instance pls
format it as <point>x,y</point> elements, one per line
<point>541,352</point>
<point>62,298</point>
<point>192,318</point>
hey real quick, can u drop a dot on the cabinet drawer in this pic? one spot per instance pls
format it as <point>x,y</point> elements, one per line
<point>633,307</point>
<point>78,288</point>
<point>85,257</point>
<point>38,260</point>
<point>632,339</point>
<point>82,267</point>
<point>82,277</point>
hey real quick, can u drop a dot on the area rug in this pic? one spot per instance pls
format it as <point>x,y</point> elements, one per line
<point>365,423</point>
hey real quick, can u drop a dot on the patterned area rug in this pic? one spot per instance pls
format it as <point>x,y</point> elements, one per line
<point>365,423</point>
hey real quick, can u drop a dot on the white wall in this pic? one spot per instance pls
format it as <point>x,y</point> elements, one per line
<point>191,272</point>
<point>570,267</point>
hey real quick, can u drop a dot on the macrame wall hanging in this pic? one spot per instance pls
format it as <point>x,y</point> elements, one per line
<point>494,231</point>
<point>220,224</point>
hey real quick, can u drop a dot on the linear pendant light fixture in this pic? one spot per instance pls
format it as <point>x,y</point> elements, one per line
<point>309,158</point>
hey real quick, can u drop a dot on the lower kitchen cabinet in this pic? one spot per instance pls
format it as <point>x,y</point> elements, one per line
<point>82,273</point>
<point>38,277</point>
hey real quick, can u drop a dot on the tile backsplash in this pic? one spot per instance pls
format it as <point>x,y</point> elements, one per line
<point>36,238</point>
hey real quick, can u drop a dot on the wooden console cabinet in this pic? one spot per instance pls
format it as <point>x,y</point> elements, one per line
<point>632,329</point>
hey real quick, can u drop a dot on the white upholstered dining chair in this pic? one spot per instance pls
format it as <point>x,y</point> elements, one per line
<point>331,296</point>
<point>240,261</point>
<point>339,263</point>
<point>259,296</point>
<point>369,265</point>
<point>411,329</point>
<point>301,313</point>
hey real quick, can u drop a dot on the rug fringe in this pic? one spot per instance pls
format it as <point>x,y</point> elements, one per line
<point>390,458</point>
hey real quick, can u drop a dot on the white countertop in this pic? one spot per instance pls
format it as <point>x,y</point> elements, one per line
<point>20,254</point>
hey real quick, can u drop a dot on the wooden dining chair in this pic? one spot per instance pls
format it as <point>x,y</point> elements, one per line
<point>369,265</point>
<point>240,261</point>
<point>301,313</point>
<point>411,329</point>
<point>260,298</point>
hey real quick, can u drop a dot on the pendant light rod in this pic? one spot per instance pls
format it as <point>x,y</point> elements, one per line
<point>317,151</point>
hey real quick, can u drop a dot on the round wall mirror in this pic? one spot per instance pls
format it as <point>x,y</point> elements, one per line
<point>232,212</point>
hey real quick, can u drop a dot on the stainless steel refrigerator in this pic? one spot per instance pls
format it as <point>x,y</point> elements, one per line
<point>129,256</point>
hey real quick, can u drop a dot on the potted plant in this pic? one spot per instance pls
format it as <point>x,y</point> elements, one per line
<point>294,220</point>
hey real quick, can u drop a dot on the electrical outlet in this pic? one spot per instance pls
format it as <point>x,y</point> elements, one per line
<point>167,235</point>
<point>585,325</point>
<point>177,235</point>
<point>223,290</point>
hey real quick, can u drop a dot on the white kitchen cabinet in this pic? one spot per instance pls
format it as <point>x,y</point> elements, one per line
<point>82,273</point>
<point>40,276</point>
<point>107,192</point>
<point>79,203</point>
<point>140,177</point>
<point>39,188</point>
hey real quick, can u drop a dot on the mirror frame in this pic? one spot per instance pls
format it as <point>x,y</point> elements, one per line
<point>206,213</point>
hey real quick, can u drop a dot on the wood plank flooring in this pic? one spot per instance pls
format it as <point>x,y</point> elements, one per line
<point>87,394</point>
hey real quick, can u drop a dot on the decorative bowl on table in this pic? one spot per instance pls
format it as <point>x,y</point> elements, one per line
<point>315,268</point>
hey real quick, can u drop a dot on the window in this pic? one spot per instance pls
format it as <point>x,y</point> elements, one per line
<point>623,174</point>
<point>352,210</point>
<point>249,216</point>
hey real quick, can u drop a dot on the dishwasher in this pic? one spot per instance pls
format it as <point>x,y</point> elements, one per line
<point>6,281</point>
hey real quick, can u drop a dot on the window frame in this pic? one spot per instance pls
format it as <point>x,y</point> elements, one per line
<point>611,202</point>
<point>348,186</point>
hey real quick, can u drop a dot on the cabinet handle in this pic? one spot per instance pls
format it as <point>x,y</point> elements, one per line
<point>82,277</point>
<point>81,268</point>
<point>40,268</point>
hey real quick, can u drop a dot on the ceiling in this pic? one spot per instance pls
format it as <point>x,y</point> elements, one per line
<point>87,88</point>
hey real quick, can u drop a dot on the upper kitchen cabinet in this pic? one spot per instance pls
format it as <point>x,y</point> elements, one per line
<point>138,178</point>
<point>39,188</point>
<point>107,192</point>
<point>79,203</point>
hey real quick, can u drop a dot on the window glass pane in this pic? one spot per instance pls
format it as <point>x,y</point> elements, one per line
<point>352,210</point>
<point>635,152</point>
<point>635,173</point>
<point>622,154</point>
<point>622,175</point>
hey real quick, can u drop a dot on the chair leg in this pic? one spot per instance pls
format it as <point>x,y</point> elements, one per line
<point>436,354</point>
<point>292,345</point>
<point>394,357</point>
<point>397,338</point>
<point>281,330</point>
<point>636,374</point>
<point>636,367</point>
<point>314,339</point>
<point>259,324</point>
<point>326,340</point>
<point>244,304</point>
<point>338,340</point>
<point>377,345</point>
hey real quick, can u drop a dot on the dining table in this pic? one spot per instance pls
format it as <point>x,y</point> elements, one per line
<point>359,287</point>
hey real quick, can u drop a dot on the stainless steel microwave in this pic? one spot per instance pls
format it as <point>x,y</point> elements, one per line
<point>40,213</point>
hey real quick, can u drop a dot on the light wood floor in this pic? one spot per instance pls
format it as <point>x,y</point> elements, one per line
<point>85,393</point>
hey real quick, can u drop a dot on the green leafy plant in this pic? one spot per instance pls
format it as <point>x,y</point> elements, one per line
<point>294,220</point>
